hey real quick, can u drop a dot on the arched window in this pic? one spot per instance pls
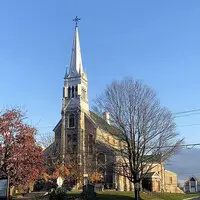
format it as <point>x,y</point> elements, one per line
<point>101,159</point>
<point>69,92</point>
<point>71,121</point>
<point>72,91</point>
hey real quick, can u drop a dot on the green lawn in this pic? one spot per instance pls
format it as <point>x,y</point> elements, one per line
<point>113,195</point>
<point>121,196</point>
<point>172,196</point>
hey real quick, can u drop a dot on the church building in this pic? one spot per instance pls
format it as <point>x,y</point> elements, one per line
<point>81,134</point>
<point>85,137</point>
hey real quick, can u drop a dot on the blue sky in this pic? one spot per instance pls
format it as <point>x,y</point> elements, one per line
<point>154,41</point>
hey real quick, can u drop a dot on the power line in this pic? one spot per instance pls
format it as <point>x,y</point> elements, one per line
<point>187,111</point>
<point>188,146</point>
<point>188,115</point>
<point>188,125</point>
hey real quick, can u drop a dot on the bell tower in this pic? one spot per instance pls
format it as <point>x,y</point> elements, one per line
<point>74,106</point>
<point>75,90</point>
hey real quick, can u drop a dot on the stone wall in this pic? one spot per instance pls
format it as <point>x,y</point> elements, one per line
<point>171,182</point>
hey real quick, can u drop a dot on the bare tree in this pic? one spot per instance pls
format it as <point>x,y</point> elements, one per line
<point>147,130</point>
<point>45,139</point>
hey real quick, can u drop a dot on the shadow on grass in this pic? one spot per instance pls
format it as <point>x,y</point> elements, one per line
<point>109,196</point>
<point>114,197</point>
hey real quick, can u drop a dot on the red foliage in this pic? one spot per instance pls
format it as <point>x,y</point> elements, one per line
<point>20,157</point>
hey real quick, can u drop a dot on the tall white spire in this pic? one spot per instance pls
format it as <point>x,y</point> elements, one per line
<point>75,91</point>
<point>76,66</point>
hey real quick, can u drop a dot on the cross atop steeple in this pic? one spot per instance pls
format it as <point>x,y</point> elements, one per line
<point>76,19</point>
<point>76,65</point>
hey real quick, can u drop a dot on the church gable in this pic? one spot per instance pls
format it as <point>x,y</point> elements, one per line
<point>152,175</point>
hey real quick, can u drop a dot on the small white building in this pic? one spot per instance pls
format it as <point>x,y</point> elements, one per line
<point>192,185</point>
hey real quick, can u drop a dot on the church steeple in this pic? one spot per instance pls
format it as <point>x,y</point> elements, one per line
<point>76,65</point>
<point>75,91</point>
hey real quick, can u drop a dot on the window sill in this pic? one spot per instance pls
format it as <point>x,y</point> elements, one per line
<point>71,127</point>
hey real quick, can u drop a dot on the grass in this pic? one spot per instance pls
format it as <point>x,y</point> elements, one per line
<point>113,195</point>
<point>121,196</point>
<point>173,196</point>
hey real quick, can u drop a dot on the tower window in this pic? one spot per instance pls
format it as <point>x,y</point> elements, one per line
<point>76,91</point>
<point>71,121</point>
<point>69,92</point>
<point>72,91</point>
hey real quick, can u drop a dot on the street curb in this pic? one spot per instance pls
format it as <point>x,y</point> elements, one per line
<point>191,198</point>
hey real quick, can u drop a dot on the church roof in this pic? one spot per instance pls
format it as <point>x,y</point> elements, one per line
<point>48,149</point>
<point>151,175</point>
<point>105,148</point>
<point>193,178</point>
<point>101,123</point>
<point>152,158</point>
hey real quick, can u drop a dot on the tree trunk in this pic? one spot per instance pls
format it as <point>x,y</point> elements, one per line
<point>137,194</point>
<point>137,187</point>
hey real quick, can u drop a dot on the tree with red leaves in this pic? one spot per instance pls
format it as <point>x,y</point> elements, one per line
<point>20,157</point>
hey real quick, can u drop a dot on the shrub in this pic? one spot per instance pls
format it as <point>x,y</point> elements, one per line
<point>58,194</point>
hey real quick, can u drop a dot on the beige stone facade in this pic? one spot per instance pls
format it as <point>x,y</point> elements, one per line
<point>160,179</point>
